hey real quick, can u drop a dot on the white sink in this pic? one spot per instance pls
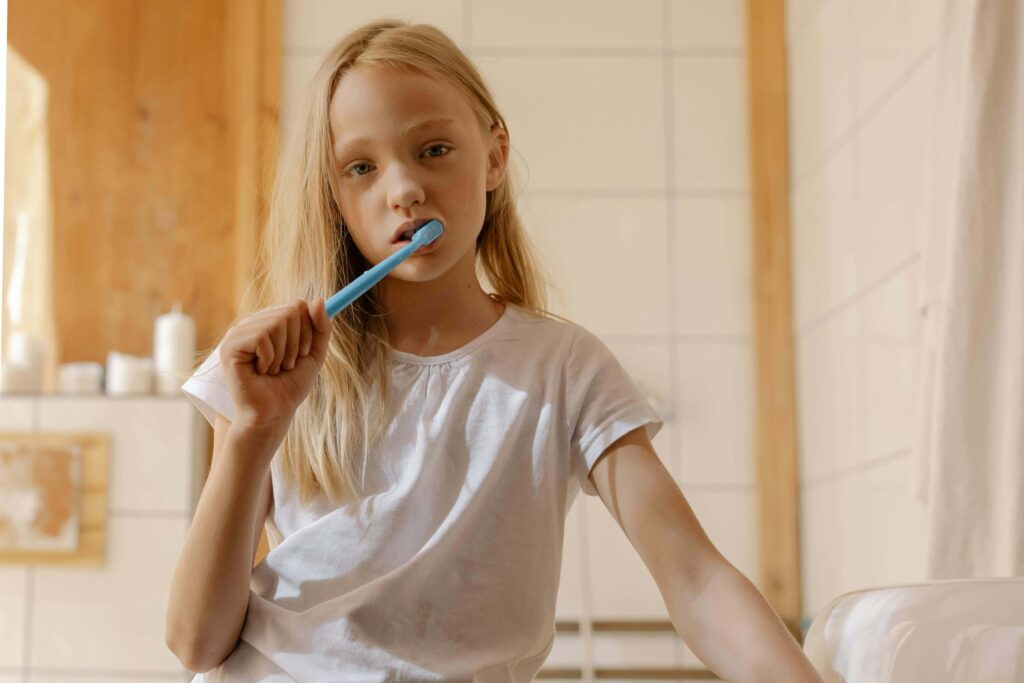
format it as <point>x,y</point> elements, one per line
<point>962,631</point>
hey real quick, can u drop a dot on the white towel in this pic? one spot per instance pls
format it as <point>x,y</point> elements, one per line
<point>969,441</point>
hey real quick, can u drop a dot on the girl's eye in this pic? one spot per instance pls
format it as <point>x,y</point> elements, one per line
<point>439,146</point>
<point>352,170</point>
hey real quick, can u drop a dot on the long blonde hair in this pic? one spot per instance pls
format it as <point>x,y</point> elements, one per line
<point>306,252</point>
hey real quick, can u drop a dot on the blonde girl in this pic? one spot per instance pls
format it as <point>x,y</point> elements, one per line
<point>413,459</point>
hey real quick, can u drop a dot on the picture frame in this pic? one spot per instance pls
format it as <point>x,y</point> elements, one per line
<point>53,498</point>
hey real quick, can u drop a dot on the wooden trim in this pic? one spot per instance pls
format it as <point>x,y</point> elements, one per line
<point>618,626</point>
<point>254,80</point>
<point>629,628</point>
<point>633,627</point>
<point>776,443</point>
<point>669,674</point>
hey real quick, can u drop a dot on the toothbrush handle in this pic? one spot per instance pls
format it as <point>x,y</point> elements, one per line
<point>372,276</point>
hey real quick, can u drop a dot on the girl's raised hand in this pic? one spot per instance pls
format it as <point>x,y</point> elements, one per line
<point>271,359</point>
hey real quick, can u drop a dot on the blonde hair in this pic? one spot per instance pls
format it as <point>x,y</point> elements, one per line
<point>306,252</point>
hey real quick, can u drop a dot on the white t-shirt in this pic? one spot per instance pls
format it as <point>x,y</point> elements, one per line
<point>448,568</point>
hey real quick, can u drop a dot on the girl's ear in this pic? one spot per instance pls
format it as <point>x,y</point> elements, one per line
<point>497,159</point>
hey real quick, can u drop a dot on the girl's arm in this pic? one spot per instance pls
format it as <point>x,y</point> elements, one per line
<point>209,592</point>
<point>718,612</point>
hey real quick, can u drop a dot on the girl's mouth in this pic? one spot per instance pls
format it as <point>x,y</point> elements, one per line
<point>412,228</point>
<point>425,249</point>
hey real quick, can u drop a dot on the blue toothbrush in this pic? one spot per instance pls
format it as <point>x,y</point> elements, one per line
<point>362,284</point>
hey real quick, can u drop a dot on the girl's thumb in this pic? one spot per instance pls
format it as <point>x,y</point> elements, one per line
<point>322,327</point>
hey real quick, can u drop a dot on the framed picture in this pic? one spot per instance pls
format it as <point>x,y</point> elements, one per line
<point>53,498</point>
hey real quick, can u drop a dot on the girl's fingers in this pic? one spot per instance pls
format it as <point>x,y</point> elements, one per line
<point>279,334</point>
<point>264,352</point>
<point>291,347</point>
<point>322,329</point>
<point>305,330</point>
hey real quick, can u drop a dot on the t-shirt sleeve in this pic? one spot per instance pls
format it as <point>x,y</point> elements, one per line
<point>605,401</point>
<point>207,388</point>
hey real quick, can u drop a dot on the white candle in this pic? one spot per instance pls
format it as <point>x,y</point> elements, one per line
<point>80,378</point>
<point>129,374</point>
<point>174,347</point>
<point>23,368</point>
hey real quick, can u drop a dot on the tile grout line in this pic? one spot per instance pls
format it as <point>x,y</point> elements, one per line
<point>856,468</point>
<point>849,134</point>
<point>799,30</point>
<point>107,674</point>
<point>856,142</point>
<point>136,513</point>
<point>635,193</point>
<point>26,645</point>
<point>668,113</point>
<point>586,595</point>
<point>626,338</point>
<point>869,289</point>
<point>30,581</point>
<point>552,52</point>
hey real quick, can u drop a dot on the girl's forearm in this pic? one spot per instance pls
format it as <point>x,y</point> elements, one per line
<point>210,588</point>
<point>731,627</point>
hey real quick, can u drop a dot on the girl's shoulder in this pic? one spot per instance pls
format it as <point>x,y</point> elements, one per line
<point>542,326</point>
<point>555,335</point>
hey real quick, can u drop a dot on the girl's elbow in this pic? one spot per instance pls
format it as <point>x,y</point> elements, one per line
<point>195,654</point>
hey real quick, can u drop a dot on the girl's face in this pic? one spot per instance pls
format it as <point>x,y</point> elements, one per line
<point>408,146</point>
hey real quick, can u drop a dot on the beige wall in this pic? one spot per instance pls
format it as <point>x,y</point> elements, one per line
<point>861,76</point>
<point>106,623</point>
<point>629,119</point>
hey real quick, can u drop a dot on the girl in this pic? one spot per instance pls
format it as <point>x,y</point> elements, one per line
<point>413,460</point>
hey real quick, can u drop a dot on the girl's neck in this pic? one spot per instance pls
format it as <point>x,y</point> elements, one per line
<point>439,316</point>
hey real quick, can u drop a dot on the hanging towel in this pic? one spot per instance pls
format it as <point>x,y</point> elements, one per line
<point>968,450</point>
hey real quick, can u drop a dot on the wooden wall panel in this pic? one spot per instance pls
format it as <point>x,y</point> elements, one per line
<point>149,137</point>
<point>776,442</point>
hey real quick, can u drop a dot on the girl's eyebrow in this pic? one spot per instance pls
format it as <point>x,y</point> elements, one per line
<point>343,145</point>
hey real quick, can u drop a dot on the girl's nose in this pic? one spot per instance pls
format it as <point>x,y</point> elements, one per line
<point>404,189</point>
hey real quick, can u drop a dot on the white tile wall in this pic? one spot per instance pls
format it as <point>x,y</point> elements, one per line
<point>110,618</point>
<point>591,124</point>
<point>715,413</point>
<point>629,135</point>
<point>598,252</point>
<point>860,529</point>
<point>824,238</point>
<point>68,624</point>
<point>718,25</point>
<point>314,25</point>
<point>13,615</point>
<point>889,36</point>
<point>150,475</point>
<point>712,253</point>
<point>820,98</point>
<point>861,78</point>
<point>710,123</point>
<point>531,25</point>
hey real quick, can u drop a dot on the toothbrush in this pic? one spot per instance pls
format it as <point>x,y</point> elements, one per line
<point>362,284</point>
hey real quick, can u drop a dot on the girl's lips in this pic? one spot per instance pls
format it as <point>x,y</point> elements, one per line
<point>414,225</point>
<point>425,249</point>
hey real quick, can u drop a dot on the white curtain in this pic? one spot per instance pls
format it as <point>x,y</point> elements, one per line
<point>969,440</point>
